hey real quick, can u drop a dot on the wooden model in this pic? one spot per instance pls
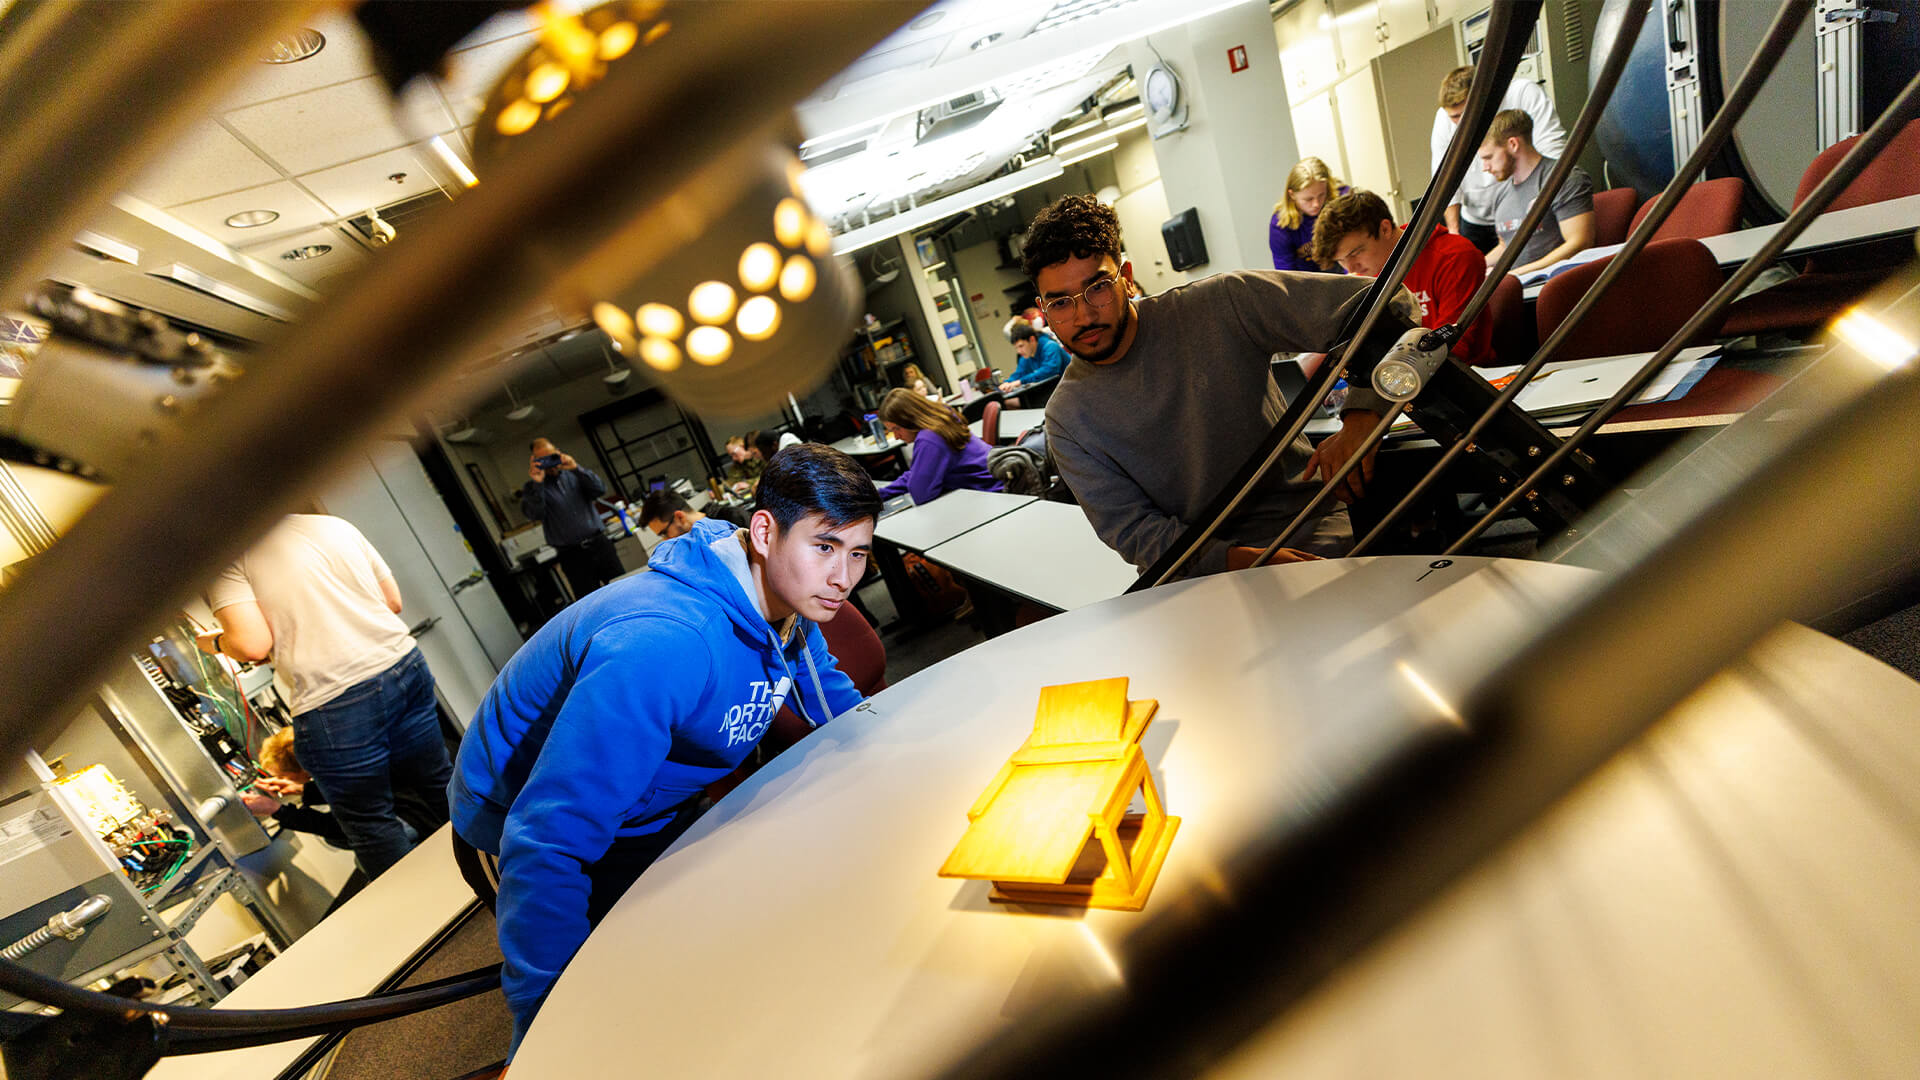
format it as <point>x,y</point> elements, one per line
<point>1053,827</point>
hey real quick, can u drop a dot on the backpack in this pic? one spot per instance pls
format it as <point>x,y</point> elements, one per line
<point>1022,468</point>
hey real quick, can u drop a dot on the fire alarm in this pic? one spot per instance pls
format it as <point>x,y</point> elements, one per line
<point>1237,58</point>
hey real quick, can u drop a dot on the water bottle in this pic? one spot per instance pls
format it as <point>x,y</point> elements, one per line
<point>1336,398</point>
<point>876,429</point>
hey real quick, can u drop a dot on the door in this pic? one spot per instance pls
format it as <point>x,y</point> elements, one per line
<point>1407,82</point>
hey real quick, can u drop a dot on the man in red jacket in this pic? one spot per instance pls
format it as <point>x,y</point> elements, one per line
<point>1356,231</point>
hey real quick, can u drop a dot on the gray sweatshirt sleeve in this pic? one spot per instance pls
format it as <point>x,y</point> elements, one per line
<point>1122,514</point>
<point>1304,313</point>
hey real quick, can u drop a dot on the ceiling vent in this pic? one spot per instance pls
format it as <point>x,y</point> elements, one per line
<point>956,114</point>
<point>814,157</point>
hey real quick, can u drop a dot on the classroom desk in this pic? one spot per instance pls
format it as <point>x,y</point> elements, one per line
<point>1676,916</point>
<point>1045,552</point>
<point>1834,229</point>
<point>1012,422</point>
<point>861,446</point>
<point>923,526</point>
<point>352,952</point>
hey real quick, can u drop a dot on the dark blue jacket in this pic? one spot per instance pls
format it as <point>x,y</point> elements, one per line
<point>563,505</point>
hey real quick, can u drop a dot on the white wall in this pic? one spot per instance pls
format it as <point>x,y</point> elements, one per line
<point>1234,155</point>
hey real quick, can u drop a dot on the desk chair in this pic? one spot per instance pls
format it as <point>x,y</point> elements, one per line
<point>1611,210</point>
<point>990,424</point>
<point>1514,337</point>
<point>1709,208</point>
<point>1669,281</point>
<point>1829,284</point>
<point>977,408</point>
<point>858,651</point>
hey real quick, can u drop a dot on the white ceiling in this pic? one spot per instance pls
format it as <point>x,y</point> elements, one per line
<point>320,141</point>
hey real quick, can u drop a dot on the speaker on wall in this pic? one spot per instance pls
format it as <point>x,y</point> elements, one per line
<point>1186,248</point>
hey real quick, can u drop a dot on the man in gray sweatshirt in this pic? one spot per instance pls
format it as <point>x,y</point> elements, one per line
<point>1168,395</point>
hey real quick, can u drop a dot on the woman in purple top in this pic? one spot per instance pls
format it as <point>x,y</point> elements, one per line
<point>1290,232</point>
<point>945,455</point>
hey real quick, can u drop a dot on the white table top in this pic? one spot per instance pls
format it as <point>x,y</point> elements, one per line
<point>862,446</point>
<point>1046,552</point>
<point>799,929</point>
<point>1831,229</point>
<point>1012,422</point>
<point>923,526</point>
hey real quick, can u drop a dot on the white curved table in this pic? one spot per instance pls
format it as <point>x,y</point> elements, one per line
<point>863,446</point>
<point>799,929</point>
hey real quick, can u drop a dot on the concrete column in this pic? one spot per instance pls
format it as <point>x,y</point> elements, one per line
<point>1231,162</point>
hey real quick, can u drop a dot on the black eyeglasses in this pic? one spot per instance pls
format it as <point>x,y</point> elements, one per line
<point>1099,297</point>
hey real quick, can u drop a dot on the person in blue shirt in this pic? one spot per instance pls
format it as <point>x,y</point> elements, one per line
<point>946,456</point>
<point>1310,185</point>
<point>592,749</point>
<point>1041,357</point>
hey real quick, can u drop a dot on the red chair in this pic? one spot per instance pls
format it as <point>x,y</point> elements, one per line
<point>1611,209</point>
<point>1709,208</point>
<point>860,654</point>
<point>1667,283</point>
<point>990,424</point>
<point>1832,283</point>
<point>1514,338</point>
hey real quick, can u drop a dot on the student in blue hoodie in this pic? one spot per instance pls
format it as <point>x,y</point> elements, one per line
<point>591,751</point>
<point>1041,357</point>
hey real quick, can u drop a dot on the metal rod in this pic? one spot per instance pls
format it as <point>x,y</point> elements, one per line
<point>1378,432</point>
<point>1631,18</point>
<point>1773,46</point>
<point>1903,108</point>
<point>378,347</point>
<point>1834,501</point>
<point>1507,29</point>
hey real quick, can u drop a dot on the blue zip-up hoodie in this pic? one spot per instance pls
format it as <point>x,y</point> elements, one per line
<point>616,714</point>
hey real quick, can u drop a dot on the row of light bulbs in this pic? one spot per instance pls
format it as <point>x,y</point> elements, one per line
<point>572,56</point>
<point>653,332</point>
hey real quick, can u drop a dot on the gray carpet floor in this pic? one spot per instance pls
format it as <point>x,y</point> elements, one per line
<point>441,1043</point>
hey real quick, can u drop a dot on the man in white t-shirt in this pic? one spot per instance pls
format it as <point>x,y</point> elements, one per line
<point>315,596</point>
<point>1469,208</point>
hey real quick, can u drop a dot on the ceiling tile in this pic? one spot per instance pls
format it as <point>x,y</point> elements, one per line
<point>325,127</point>
<point>345,57</point>
<point>207,162</point>
<point>297,211</point>
<point>351,188</point>
<point>472,72</point>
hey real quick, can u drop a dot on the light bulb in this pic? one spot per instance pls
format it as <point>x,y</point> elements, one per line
<point>759,318</point>
<point>655,33</point>
<point>711,302</point>
<point>517,117</point>
<point>660,354</point>
<point>819,239</point>
<point>709,345</point>
<point>617,39</point>
<point>797,278</point>
<point>613,319</point>
<point>546,82</point>
<point>790,222</point>
<point>759,267</point>
<point>661,321</point>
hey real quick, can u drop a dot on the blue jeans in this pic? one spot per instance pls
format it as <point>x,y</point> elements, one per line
<point>381,736</point>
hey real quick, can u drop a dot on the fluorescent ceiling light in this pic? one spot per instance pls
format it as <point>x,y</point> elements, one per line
<point>106,247</point>
<point>930,267</point>
<point>1089,153</point>
<point>927,213</point>
<point>1074,147</point>
<point>187,276</point>
<point>1125,113</point>
<point>166,222</point>
<point>1084,125</point>
<point>452,161</point>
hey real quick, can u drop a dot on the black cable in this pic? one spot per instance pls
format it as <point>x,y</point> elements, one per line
<point>31,985</point>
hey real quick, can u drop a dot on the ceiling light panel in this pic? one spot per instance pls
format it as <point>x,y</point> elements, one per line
<point>1071,11</point>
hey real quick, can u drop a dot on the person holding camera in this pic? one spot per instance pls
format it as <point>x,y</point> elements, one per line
<point>559,495</point>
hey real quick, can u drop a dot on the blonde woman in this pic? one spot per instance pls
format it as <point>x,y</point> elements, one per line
<point>912,379</point>
<point>946,456</point>
<point>1290,233</point>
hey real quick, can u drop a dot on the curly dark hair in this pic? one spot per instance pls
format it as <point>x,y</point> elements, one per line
<point>1072,228</point>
